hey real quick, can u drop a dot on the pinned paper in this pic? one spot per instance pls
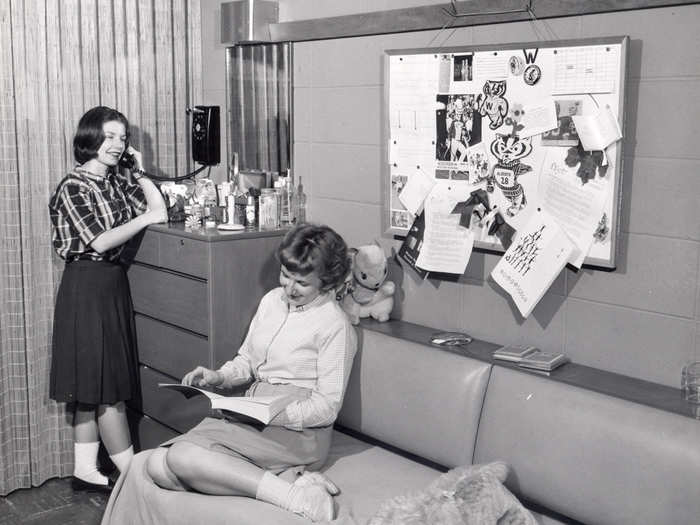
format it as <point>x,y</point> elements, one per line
<point>538,118</point>
<point>416,190</point>
<point>576,207</point>
<point>393,151</point>
<point>596,132</point>
<point>533,261</point>
<point>447,246</point>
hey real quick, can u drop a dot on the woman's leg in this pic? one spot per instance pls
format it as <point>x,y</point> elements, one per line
<point>212,472</point>
<point>114,431</point>
<point>87,445</point>
<point>157,468</point>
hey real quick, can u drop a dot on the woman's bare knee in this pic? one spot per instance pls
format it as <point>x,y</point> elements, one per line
<point>183,458</point>
<point>157,468</point>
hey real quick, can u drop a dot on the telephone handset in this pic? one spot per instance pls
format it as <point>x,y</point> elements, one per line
<point>127,161</point>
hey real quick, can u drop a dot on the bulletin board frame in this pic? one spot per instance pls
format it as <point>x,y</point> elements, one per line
<point>555,58</point>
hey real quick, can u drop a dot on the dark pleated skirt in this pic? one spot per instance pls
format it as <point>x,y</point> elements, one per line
<point>94,356</point>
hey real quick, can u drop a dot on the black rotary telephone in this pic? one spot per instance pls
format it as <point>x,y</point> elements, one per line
<point>127,161</point>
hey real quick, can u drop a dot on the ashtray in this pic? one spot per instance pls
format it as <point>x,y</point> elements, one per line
<point>450,339</point>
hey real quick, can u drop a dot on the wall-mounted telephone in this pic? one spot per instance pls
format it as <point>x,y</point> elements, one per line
<point>205,143</point>
<point>205,135</point>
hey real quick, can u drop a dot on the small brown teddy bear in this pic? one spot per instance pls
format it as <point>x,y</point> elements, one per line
<point>368,293</point>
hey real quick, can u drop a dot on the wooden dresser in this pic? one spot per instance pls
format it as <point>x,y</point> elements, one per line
<point>194,294</point>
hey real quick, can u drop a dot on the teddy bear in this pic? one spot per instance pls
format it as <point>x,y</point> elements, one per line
<point>368,293</point>
<point>466,495</point>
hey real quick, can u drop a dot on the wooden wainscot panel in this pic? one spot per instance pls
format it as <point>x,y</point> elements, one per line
<point>173,298</point>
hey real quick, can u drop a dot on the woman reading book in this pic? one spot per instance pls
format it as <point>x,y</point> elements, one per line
<point>300,343</point>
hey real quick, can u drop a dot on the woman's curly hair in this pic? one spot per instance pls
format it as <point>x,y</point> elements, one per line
<point>308,248</point>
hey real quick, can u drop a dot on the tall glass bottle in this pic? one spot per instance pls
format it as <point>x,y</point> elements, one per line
<point>284,198</point>
<point>300,203</point>
<point>291,199</point>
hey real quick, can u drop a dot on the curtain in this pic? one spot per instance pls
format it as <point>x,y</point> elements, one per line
<point>259,86</point>
<point>59,58</point>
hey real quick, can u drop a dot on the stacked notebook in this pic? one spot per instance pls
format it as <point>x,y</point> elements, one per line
<point>513,353</point>
<point>531,357</point>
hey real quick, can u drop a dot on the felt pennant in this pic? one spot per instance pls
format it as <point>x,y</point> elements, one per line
<point>501,229</point>
<point>466,208</point>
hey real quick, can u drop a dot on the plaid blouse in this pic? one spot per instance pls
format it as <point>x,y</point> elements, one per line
<point>85,205</point>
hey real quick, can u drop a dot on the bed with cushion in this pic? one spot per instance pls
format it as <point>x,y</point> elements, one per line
<point>582,445</point>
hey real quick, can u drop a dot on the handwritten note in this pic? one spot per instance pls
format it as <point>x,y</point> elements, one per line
<point>538,118</point>
<point>447,246</point>
<point>576,207</point>
<point>414,82</point>
<point>416,190</point>
<point>490,66</point>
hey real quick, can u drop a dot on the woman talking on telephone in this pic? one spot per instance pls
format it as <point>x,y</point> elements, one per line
<point>95,210</point>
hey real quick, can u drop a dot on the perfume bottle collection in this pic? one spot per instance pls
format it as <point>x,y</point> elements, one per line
<point>226,207</point>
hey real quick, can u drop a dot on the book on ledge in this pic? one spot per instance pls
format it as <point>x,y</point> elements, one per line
<point>543,361</point>
<point>262,408</point>
<point>514,353</point>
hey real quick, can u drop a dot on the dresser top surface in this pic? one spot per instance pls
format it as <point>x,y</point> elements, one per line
<point>213,234</point>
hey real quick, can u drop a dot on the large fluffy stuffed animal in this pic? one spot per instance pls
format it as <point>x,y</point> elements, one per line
<point>468,495</point>
<point>368,292</point>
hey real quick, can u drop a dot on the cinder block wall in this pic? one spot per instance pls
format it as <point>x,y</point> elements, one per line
<point>641,320</point>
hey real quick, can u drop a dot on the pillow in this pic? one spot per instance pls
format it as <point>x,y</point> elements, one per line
<point>471,494</point>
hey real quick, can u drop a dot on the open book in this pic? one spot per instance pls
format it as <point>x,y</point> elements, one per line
<point>262,408</point>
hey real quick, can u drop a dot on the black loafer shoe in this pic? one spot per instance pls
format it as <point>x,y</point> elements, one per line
<point>82,485</point>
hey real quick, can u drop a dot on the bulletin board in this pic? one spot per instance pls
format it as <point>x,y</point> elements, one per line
<point>480,118</point>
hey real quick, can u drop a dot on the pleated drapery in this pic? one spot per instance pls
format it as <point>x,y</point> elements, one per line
<point>259,90</point>
<point>59,58</point>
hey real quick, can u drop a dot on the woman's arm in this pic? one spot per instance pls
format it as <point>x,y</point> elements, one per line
<point>119,235</point>
<point>334,364</point>
<point>155,214</point>
<point>154,199</point>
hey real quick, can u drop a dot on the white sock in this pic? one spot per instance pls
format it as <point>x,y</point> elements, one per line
<point>273,489</point>
<point>312,501</point>
<point>123,459</point>
<point>85,461</point>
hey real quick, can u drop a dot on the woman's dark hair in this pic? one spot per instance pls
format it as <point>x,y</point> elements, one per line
<point>309,248</point>
<point>90,135</point>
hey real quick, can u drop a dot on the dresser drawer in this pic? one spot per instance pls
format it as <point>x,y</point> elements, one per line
<point>173,298</point>
<point>147,432</point>
<point>173,252</point>
<point>170,349</point>
<point>184,255</point>
<point>147,248</point>
<point>167,406</point>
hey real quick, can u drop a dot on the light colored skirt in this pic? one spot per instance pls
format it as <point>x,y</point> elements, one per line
<point>272,448</point>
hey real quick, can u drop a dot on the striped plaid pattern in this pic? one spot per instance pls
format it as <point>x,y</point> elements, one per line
<point>85,205</point>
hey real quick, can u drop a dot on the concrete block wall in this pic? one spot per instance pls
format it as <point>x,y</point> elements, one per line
<point>641,320</point>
